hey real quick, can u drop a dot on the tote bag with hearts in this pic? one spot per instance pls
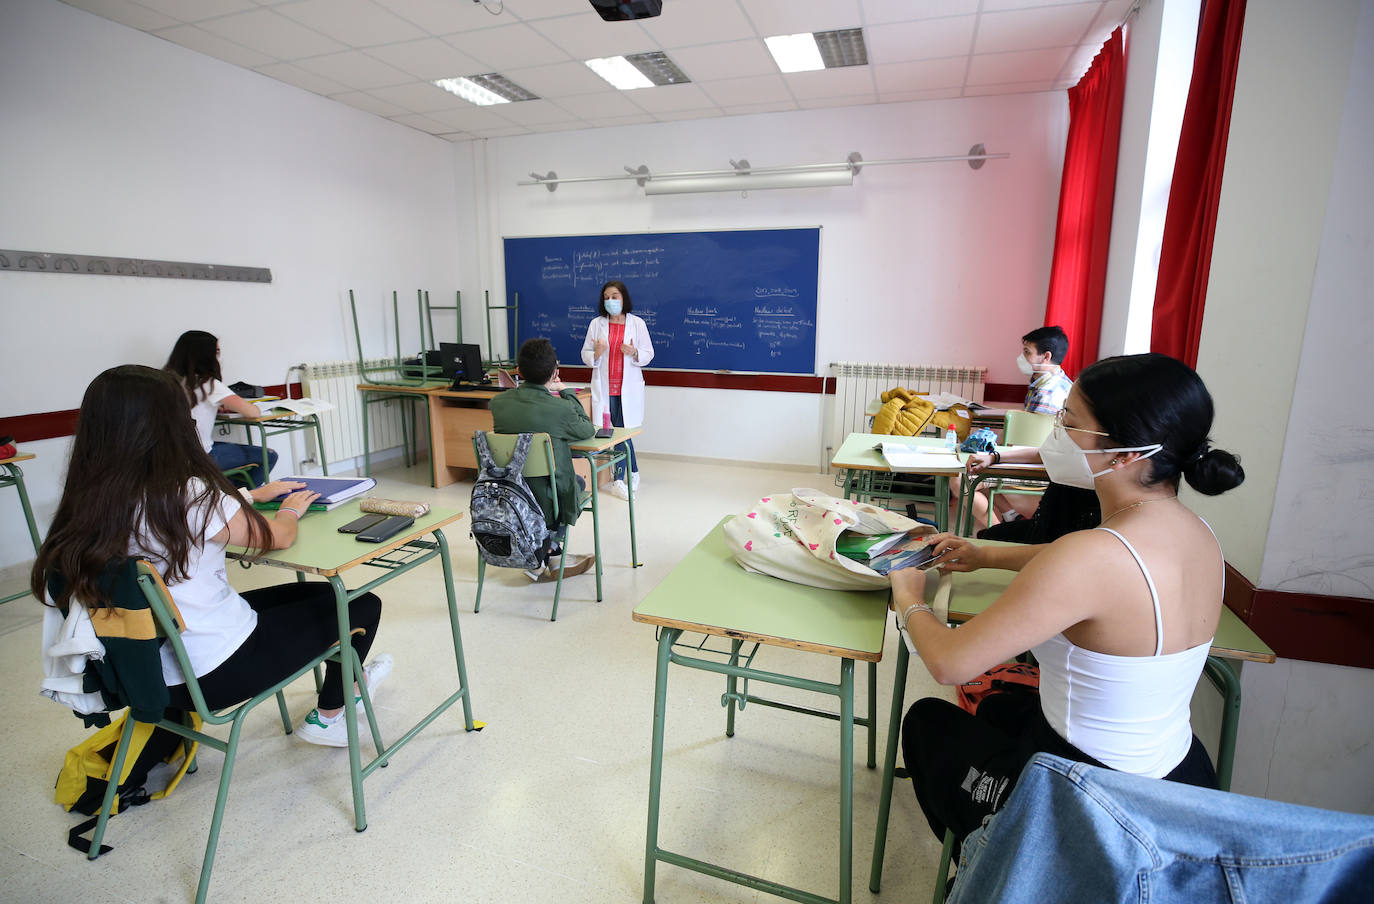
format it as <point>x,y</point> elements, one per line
<point>792,536</point>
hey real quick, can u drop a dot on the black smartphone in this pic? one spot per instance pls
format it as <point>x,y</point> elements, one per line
<point>604,433</point>
<point>358,525</point>
<point>386,529</point>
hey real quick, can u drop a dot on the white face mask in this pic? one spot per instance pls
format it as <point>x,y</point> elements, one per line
<point>1067,463</point>
<point>613,306</point>
<point>1024,366</point>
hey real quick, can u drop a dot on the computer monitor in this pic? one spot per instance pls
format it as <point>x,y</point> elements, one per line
<point>462,362</point>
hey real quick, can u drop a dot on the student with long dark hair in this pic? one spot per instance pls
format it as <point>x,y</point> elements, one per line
<point>1120,617</point>
<point>139,483</point>
<point>195,363</point>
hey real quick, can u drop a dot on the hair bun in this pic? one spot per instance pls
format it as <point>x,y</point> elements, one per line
<point>1213,471</point>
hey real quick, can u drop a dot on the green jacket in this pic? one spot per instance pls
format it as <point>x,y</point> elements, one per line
<point>530,408</point>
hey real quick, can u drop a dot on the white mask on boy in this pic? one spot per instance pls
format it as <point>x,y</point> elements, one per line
<point>613,306</point>
<point>1024,366</point>
<point>1067,463</point>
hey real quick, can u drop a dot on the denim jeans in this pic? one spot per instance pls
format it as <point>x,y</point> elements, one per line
<point>233,455</point>
<point>617,411</point>
<point>1073,832</point>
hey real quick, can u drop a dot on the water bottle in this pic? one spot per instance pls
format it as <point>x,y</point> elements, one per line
<point>951,440</point>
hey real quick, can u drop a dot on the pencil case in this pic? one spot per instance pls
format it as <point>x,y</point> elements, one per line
<point>393,507</point>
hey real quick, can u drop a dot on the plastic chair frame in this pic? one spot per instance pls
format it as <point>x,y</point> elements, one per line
<point>158,597</point>
<point>502,446</point>
<point>1019,424</point>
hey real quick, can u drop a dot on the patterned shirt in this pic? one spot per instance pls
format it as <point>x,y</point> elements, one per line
<point>616,358</point>
<point>1048,392</point>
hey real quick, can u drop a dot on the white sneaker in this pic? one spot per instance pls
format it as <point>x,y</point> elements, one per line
<point>316,729</point>
<point>634,481</point>
<point>375,673</point>
<point>619,490</point>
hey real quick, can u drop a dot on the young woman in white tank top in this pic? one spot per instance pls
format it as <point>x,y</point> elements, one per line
<point>1120,618</point>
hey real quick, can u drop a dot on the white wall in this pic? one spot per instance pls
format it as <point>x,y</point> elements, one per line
<point>1284,351</point>
<point>925,264</point>
<point>116,142</point>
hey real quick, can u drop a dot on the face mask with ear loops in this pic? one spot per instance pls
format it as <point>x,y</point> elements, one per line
<point>1067,463</point>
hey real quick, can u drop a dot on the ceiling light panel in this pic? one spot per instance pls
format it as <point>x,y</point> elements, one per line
<point>620,73</point>
<point>657,68</point>
<point>795,53</point>
<point>485,90</point>
<point>844,47</point>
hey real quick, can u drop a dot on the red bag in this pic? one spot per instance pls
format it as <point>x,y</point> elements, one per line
<point>1009,677</point>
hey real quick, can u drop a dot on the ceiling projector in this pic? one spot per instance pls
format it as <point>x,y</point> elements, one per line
<point>620,10</point>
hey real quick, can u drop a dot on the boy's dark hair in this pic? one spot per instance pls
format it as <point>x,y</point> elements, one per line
<point>537,360</point>
<point>627,305</point>
<point>1049,339</point>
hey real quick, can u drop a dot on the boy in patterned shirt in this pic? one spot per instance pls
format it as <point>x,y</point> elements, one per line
<point>1042,353</point>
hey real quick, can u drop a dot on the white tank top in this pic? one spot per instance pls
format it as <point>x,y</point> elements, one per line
<point>1128,712</point>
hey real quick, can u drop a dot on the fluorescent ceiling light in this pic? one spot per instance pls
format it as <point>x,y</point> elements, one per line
<point>620,72</point>
<point>795,53</point>
<point>822,50</point>
<point>485,90</point>
<point>752,182</point>
<point>657,68</point>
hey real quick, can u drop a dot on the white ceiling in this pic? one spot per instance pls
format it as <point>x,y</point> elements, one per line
<point>380,55</point>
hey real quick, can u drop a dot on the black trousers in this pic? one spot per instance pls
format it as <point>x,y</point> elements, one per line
<point>296,622</point>
<point>963,766</point>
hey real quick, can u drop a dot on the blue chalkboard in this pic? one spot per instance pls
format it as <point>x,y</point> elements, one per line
<point>740,300</point>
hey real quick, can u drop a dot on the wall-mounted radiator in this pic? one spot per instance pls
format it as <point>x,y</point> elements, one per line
<point>337,382</point>
<point>857,384</point>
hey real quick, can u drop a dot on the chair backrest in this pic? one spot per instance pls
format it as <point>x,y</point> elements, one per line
<point>540,461</point>
<point>169,624</point>
<point>1026,428</point>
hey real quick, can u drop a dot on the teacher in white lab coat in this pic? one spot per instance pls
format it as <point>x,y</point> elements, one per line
<point>617,348</point>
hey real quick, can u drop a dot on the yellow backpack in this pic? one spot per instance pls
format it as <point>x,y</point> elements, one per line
<point>86,770</point>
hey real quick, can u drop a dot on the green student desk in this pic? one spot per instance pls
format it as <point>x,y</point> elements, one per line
<point>321,550</point>
<point>601,455</point>
<point>867,474</point>
<point>709,593</point>
<point>974,591</point>
<point>12,476</point>
<point>275,423</point>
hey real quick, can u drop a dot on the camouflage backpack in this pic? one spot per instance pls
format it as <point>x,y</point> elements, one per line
<point>507,522</point>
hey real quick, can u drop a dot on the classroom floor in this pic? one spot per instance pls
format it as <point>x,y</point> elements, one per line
<point>547,803</point>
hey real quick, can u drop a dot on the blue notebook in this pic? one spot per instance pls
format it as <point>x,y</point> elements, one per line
<point>333,491</point>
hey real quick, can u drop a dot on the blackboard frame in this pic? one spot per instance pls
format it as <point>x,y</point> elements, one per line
<point>795,259</point>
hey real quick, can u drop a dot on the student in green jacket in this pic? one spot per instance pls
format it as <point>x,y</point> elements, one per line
<point>542,404</point>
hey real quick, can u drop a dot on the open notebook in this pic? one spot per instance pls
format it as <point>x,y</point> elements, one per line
<point>901,457</point>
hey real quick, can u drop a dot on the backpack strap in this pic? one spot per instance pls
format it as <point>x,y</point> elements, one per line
<point>522,452</point>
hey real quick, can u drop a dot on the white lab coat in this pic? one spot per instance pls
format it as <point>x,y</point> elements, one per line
<point>632,382</point>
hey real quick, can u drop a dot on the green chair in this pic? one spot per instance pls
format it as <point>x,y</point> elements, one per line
<point>1024,428</point>
<point>244,471</point>
<point>540,463</point>
<point>167,618</point>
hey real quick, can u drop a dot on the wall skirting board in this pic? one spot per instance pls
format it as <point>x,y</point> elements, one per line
<point>1310,626</point>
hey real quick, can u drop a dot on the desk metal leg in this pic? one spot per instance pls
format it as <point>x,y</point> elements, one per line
<point>319,445</point>
<point>596,520</point>
<point>15,476</point>
<point>846,780</point>
<point>731,695</point>
<point>1225,680</point>
<point>262,441</point>
<point>942,502</point>
<point>630,499</point>
<point>665,649</point>
<point>453,626</point>
<point>872,712</point>
<point>894,728</point>
<point>355,765</point>
<point>367,436</point>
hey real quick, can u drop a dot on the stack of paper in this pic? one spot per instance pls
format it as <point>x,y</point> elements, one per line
<point>863,547</point>
<point>299,406</point>
<point>904,458</point>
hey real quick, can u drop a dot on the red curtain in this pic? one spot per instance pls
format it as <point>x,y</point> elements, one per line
<point>1079,269</point>
<point>1185,257</point>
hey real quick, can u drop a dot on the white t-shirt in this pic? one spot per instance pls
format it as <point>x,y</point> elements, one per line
<point>216,619</point>
<point>203,411</point>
